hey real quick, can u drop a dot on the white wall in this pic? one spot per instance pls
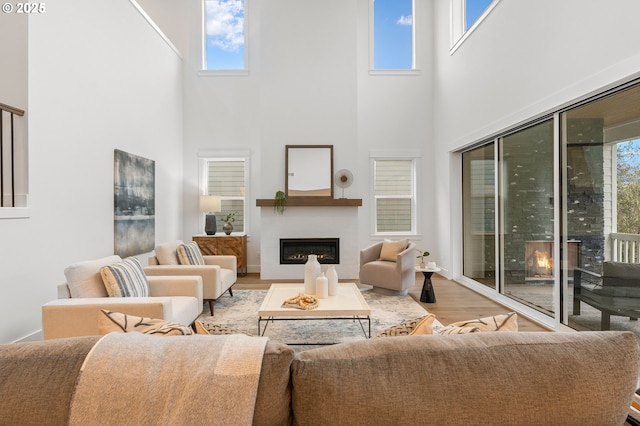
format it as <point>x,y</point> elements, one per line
<point>308,83</point>
<point>100,78</point>
<point>525,59</point>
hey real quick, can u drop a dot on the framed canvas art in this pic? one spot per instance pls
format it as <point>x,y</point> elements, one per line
<point>134,204</point>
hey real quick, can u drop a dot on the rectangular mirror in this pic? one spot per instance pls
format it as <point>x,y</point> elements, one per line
<point>309,171</point>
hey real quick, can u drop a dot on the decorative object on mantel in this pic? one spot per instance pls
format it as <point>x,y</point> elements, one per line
<point>228,223</point>
<point>422,255</point>
<point>344,179</point>
<point>210,204</point>
<point>280,202</point>
<point>312,270</point>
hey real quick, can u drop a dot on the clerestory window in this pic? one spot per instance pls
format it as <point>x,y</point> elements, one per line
<point>225,35</point>
<point>393,37</point>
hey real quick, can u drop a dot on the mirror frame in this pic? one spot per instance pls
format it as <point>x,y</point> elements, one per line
<point>330,165</point>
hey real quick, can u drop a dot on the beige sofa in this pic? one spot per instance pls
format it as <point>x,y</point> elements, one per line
<point>74,313</point>
<point>219,273</point>
<point>505,378</point>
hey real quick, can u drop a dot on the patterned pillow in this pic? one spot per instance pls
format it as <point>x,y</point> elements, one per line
<point>422,325</point>
<point>425,326</point>
<point>109,321</point>
<point>189,254</point>
<point>125,279</point>
<point>200,328</point>
<point>452,329</point>
<point>505,322</point>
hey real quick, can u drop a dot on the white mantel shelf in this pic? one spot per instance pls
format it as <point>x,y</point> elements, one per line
<point>312,202</point>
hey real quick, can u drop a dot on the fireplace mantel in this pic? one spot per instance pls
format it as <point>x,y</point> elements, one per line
<point>312,202</point>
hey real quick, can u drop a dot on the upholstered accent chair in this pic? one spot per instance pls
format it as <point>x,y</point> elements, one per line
<point>76,311</point>
<point>218,272</point>
<point>389,266</point>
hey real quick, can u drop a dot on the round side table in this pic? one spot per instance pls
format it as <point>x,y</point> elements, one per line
<point>427,295</point>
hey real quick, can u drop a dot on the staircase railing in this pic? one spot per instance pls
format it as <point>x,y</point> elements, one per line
<point>8,172</point>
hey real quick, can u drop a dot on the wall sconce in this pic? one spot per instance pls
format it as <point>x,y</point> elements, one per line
<point>210,204</point>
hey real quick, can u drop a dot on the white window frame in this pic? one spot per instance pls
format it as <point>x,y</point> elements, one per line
<point>205,157</point>
<point>204,71</point>
<point>414,66</point>
<point>458,22</point>
<point>412,156</point>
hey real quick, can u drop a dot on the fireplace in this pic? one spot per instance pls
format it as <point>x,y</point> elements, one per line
<point>295,251</point>
<point>539,259</point>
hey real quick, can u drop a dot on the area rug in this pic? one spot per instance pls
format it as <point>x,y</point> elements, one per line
<point>240,313</point>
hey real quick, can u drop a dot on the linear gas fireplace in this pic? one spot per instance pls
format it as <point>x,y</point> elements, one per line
<point>296,250</point>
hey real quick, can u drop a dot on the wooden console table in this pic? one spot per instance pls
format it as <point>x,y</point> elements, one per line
<point>235,245</point>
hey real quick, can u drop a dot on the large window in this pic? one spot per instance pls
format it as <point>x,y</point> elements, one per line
<point>394,196</point>
<point>226,178</point>
<point>393,35</point>
<point>225,43</point>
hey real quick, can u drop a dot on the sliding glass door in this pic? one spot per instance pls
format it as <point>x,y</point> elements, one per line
<point>526,212</point>
<point>547,205</point>
<point>479,207</point>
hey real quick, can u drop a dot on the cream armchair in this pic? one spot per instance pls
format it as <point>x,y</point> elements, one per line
<point>387,270</point>
<point>219,273</point>
<point>75,312</point>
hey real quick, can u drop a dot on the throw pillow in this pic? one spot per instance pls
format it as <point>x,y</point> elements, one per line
<point>83,278</point>
<point>189,254</point>
<point>391,249</point>
<point>505,322</point>
<point>452,329</point>
<point>200,329</point>
<point>425,326</point>
<point>406,328</point>
<point>109,321</point>
<point>125,279</point>
<point>166,253</point>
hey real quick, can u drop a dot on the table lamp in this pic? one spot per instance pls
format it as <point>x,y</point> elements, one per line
<point>210,204</point>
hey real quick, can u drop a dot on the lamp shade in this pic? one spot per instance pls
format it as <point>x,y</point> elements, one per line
<point>210,203</point>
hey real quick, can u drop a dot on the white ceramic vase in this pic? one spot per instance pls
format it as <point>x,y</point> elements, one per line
<point>332,276</point>
<point>311,272</point>
<point>322,286</point>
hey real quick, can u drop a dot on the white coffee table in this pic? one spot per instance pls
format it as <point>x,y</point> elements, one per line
<point>348,304</point>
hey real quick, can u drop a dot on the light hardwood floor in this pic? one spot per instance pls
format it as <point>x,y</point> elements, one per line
<point>454,302</point>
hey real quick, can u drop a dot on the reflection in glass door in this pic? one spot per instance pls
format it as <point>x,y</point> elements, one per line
<point>526,213</point>
<point>479,214</point>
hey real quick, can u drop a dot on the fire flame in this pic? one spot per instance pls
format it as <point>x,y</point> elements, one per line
<point>543,261</point>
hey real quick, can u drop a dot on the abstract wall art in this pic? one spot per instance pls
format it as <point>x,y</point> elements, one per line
<point>134,204</point>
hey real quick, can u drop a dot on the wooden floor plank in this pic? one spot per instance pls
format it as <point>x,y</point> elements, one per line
<point>454,302</point>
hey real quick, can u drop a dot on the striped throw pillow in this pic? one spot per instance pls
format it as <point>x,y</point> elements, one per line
<point>125,279</point>
<point>189,254</point>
